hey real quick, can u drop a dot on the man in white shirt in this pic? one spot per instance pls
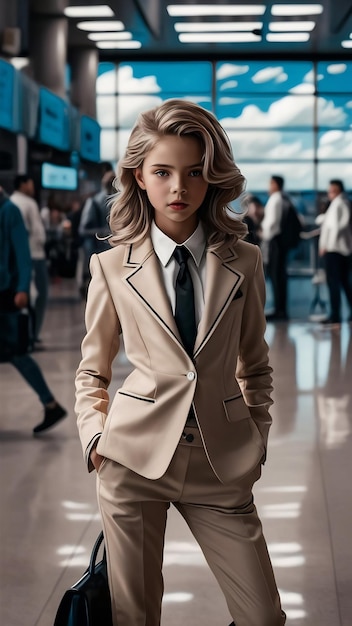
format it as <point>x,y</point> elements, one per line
<point>23,197</point>
<point>335,246</point>
<point>274,253</point>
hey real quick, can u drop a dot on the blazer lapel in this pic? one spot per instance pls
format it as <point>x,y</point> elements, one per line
<point>222,283</point>
<point>146,282</point>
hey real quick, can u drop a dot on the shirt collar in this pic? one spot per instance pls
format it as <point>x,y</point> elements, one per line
<point>164,246</point>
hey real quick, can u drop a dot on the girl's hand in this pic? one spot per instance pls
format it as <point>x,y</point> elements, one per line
<point>96,459</point>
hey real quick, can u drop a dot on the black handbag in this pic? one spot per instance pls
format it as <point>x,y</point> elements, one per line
<point>15,333</point>
<point>87,602</point>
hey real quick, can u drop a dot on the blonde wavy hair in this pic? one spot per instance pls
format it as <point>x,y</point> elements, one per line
<point>131,213</point>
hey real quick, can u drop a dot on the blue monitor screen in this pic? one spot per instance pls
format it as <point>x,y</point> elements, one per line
<point>59,177</point>
<point>90,139</point>
<point>53,120</point>
<point>7,77</point>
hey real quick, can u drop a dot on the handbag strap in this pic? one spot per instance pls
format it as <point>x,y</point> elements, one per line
<point>95,551</point>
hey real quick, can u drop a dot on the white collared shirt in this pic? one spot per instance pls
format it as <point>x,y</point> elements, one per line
<point>164,248</point>
<point>33,223</point>
<point>271,224</point>
<point>335,233</point>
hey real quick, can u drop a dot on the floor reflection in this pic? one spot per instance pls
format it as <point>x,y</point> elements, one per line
<point>50,520</point>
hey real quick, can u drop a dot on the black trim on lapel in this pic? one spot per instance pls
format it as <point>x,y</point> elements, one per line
<point>222,283</point>
<point>138,293</point>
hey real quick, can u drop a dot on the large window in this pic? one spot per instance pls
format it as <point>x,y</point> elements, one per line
<point>291,118</point>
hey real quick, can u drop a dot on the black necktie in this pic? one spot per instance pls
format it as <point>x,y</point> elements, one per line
<point>185,311</point>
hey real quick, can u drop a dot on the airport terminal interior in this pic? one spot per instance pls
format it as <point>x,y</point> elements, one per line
<point>74,74</point>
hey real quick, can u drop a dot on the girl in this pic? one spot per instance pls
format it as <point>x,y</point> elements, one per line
<point>189,425</point>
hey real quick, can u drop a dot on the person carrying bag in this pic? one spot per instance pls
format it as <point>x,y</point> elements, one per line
<point>15,277</point>
<point>14,315</point>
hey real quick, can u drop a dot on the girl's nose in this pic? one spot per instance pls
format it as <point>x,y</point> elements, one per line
<point>177,185</point>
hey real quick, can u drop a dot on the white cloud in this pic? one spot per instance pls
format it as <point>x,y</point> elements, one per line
<point>327,171</point>
<point>108,147</point>
<point>282,78</point>
<point>331,137</point>
<point>131,106</point>
<point>230,84</point>
<point>230,69</point>
<point>309,77</point>
<point>106,83</point>
<point>336,68</point>
<point>128,84</point>
<point>302,88</point>
<point>106,110</point>
<point>329,114</point>
<point>196,99</point>
<point>336,143</point>
<point>269,144</point>
<point>229,100</point>
<point>267,74</point>
<point>349,104</point>
<point>286,111</point>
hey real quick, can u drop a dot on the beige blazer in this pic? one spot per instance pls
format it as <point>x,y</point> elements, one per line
<point>228,380</point>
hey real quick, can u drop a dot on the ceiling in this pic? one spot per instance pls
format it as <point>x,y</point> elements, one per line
<point>150,24</point>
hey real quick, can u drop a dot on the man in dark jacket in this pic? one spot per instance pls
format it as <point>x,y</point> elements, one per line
<point>15,276</point>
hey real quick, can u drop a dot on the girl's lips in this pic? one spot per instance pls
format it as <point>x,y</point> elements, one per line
<point>178,206</point>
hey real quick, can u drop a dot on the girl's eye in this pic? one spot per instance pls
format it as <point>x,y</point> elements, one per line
<point>161,173</point>
<point>196,173</point>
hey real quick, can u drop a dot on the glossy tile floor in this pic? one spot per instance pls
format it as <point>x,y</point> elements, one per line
<point>49,517</point>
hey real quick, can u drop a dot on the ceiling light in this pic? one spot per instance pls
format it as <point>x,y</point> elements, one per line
<point>296,9</point>
<point>288,37</point>
<point>218,37</point>
<point>289,26</point>
<point>102,10</point>
<point>121,45</point>
<point>191,27</point>
<point>112,25</point>
<point>347,43</point>
<point>187,10</point>
<point>110,36</point>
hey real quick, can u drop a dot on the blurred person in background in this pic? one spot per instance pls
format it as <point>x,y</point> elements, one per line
<point>253,219</point>
<point>15,277</point>
<point>335,247</point>
<point>94,228</point>
<point>53,219</point>
<point>23,198</point>
<point>274,253</point>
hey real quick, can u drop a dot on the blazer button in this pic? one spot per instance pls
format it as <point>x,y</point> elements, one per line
<point>191,376</point>
<point>188,437</point>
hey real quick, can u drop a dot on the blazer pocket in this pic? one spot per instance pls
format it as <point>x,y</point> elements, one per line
<point>236,408</point>
<point>135,396</point>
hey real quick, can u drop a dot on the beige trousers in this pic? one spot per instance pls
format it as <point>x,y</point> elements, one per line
<point>222,518</point>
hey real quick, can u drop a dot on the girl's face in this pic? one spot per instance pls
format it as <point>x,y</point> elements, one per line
<point>172,177</point>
